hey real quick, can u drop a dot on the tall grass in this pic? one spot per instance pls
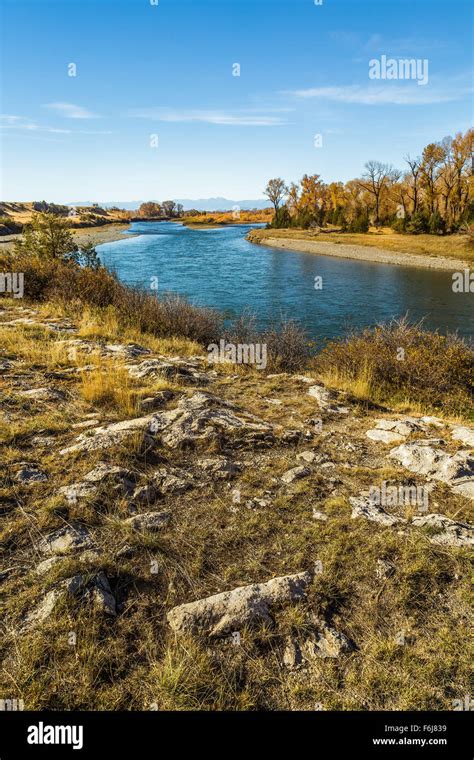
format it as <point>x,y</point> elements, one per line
<point>402,363</point>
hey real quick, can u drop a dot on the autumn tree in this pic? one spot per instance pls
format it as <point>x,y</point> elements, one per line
<point>432,157</point>
<point>413,181</point>
<point>169,208</point>
<point>376,179</point>
<point>276,191</point>
<point>150,208</point>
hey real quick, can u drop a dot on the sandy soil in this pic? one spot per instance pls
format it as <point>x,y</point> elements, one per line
<point>96,235</point>
<point>364,253</point>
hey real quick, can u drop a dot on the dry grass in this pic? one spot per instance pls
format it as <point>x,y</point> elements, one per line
<point>403,364</point>
<point>109,385</point>
<point>134,661</point>
<point>455,246</point>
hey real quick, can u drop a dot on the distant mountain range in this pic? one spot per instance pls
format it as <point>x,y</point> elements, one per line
<point>200,204</point>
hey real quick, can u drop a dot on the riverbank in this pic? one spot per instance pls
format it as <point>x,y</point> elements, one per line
<point>97,235</point>
<point>226,218</point>
<point>426,251</point>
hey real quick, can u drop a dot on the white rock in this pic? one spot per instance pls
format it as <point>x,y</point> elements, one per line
<point>151,521</point>
<point>363,506</point>
<point>307,456</point>
<point>448,532</point>
<point>230,611</point>
<point>463,434</point>
<point>66,540</point>
<point>384,436</point>
<point>296,473</point>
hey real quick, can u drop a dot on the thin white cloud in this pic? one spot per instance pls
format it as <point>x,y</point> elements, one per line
<point>71,111</point>
<point>13,122</point>
<point>240,119</point>
<point>382,94</point>
<point>19,122</point>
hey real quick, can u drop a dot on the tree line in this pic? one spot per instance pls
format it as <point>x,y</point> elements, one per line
<point>168,209</point>
<point>433,193</point>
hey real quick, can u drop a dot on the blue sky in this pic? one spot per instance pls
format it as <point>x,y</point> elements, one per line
<point>167,70</point>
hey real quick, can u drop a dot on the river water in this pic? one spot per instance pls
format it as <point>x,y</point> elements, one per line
<point>220,268</point>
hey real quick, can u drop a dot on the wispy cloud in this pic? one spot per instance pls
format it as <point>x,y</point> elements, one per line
<point>226,118</point>
<point>407,94</point>
<point>21,123</point>
<point>71,111</point>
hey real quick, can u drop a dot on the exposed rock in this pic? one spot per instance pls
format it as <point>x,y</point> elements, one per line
<point>44,609</point>
<point>463,434</point>
<point>30,473</point>
<point>43,394</point>
<point>43,441</point>
<point>89,555</point>
<point>146,494</point>
<point>179,369</point>
<point>404,426</point>
<point>45,566</point>
<point>319,515</point>
<point>326,642</point>
<point>363,506</point>
<point>101,595</point>
<point>295,436</point>
<point>384,569</point>
<point>152,521</point>
<point>66,540</point>
<point>292,656</point>
<point>257,503</point>
<point>326,400</point>
<point>129,351</point>
<point>97,590</point>
<point>304,379</point>
<point>172,480</point>
<point>84,424</point>
<point>5,365</point>
<point>229,611</point>
<point>307,456</point>
<point>220,468</point>
<point>200,418</point>
<point>422,457</point>
<point>384,436</point>
<point>204,417</point>
<point>117,480</point>
<point>109,435</point>
<point>154,402</point>
<point>433,421</point>
<point>448,532</point>
<point>296,473</point>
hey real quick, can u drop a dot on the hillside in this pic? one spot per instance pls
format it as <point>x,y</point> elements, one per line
<point>13,216</point>
<point>181,535</point>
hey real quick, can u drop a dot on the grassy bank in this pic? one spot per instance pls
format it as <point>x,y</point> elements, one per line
<point>450,247</point>
<point>226,218</point>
